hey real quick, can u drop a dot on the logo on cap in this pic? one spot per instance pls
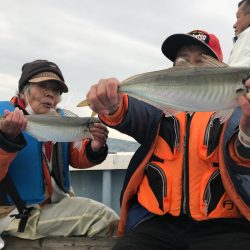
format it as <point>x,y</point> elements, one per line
<point>200,35</point>
<point>53,66</point>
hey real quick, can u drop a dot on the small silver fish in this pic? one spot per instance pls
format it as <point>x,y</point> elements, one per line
<point>58,129</point>
<point>185,87</point>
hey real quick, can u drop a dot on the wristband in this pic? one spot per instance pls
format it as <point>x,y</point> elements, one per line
<point>244,139</point>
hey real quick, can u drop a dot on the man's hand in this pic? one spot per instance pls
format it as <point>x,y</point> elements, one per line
<point>103,97</point>
<point>100,135</point>
<point>13,124</point>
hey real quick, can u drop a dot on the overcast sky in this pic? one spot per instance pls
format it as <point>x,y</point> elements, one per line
<point>93,39</point>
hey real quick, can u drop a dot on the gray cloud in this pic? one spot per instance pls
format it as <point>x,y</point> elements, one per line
<point>92,39</point>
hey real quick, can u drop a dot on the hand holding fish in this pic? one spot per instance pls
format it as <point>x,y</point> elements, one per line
<point>103,97</point>
<point>244,102</point>
<point>100,135</point>
<point>185,87</point>
<point>13,124</point>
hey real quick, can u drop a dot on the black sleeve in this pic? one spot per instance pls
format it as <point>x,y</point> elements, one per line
<point>12,145</point>
<point>140,120</point>
<point>242,150</point>
<point>96,157</point>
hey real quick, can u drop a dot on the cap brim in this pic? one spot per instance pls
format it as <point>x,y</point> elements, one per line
<point>173,43</point>
<point>62,85</point>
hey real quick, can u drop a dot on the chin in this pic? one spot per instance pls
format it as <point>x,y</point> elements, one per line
<point>43,111</point>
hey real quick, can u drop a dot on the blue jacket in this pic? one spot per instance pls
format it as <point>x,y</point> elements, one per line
<point>26,169</point>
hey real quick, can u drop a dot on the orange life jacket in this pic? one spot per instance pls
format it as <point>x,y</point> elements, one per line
<point>185,178</point>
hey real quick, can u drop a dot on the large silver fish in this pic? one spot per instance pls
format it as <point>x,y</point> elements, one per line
<point>213,87</point>
<point>57,128</point>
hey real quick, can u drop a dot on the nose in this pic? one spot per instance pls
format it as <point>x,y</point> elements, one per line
<point>193,60</point>
<point>49,93</point>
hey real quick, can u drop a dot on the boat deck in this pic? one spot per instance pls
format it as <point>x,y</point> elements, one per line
<point>60,243</point>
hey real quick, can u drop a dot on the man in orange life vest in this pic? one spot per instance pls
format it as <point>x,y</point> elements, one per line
<point>187,186</point>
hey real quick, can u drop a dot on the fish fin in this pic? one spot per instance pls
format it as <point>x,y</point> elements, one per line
<point>83,103</point>
<point>190,113</point>
<point>68,113</point>
<point>211,61</point>
<point>77,145</point>
<point>181,62</point>
<point>223,115</point>
<point>171,113</point>
<point>168,111</point>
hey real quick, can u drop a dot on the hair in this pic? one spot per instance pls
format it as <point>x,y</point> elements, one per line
<point>27,88</point>
<point>246,8</point>
<point>24,90</point>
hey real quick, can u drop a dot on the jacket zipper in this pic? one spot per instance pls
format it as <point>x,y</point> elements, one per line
<point>185,167</point>
<point>207,193</point>
<point>207,133</point>
<point>163,177</point>
<point>177,133</point>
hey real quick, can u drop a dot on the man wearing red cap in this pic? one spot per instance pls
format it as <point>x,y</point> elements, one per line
<point>174,194</point>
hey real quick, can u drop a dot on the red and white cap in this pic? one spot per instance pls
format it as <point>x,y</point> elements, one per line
<point>200,38</point>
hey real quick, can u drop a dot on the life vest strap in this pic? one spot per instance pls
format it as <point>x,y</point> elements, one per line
<point>7,188</point>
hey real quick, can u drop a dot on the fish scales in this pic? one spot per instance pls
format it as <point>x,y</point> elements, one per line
<point>58,129</point>
<point>185,87</point>
<point>192,89</point>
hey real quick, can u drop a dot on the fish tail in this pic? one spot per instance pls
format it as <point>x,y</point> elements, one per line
<point>83,103</point>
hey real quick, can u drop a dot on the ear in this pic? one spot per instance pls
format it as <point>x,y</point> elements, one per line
<point>23,97</point>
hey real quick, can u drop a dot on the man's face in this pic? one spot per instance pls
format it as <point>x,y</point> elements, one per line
<point>42,97</point>
<point>191,54</point>
<point>242,20</point>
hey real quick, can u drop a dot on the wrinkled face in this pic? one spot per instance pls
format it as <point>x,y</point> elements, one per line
<point>42,97</point>
<point>242,20</point>
<point>191,54</point>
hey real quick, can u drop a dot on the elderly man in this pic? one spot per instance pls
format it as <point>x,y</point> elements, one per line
<point>34,176</point>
